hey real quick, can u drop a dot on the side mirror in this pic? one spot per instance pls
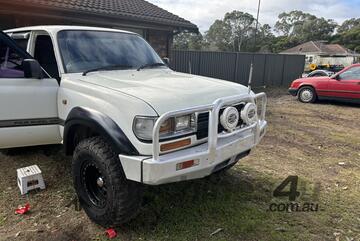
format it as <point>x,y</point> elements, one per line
<point>166,61</point>
<point>32,69</point>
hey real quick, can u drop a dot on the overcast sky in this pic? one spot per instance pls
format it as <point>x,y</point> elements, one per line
<point>204,12</point>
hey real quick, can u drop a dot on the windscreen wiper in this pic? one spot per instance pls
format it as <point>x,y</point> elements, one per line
<point>150,65</point>
<point>110,67</point>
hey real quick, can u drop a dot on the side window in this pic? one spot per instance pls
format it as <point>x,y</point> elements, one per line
<point>10,62</point>
<point>44,54</point>
<point>22,43</point>
<point>21,39</point>
<point>351,74</point>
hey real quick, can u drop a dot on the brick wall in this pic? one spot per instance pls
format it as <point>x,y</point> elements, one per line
<point>161,41</point>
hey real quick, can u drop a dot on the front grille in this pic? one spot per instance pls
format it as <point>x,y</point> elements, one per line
<point>203,123</point>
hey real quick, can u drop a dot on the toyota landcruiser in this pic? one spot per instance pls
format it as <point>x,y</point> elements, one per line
<point>125,117</point>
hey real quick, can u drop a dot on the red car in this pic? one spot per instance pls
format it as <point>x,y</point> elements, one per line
<point>344,85</point>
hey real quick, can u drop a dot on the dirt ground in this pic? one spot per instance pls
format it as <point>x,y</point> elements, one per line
<point>319,143</point>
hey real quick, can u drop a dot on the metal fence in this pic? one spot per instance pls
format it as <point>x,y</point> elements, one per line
<point>269,69</point>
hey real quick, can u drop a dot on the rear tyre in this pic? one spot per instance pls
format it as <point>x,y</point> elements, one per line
<point>108,198</point>
<point>307,94</point>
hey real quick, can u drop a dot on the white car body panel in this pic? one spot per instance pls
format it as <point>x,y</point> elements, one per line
<point>29,136</point>
<point>178,90</point>
<point>24,99</point>
<point>28,98</point>
<point>121,108</point>
<point>164,171</point>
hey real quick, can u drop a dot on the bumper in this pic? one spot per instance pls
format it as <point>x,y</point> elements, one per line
<point>220,151</point>
<point>293,92</point>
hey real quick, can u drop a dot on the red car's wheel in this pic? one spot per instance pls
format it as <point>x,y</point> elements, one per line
<point>307,94</point>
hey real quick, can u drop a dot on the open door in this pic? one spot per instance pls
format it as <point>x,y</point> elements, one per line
<point>28,104</point>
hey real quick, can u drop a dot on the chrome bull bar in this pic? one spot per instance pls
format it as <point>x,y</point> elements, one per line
<point>214,110</point>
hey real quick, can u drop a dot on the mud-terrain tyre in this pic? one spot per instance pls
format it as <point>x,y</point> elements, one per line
<point>307,94</point>
<point>107,197</point>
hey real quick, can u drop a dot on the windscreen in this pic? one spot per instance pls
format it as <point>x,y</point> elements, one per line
<point>83,50</point>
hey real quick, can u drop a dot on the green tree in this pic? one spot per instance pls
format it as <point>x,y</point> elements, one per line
<point>242,28</point>
<point>348,34</point>
<point>350,39</point>
<point>302,27</point>
<point>265,39</point>
<point>348,25</point>
<point>218,36</point>
<point>233,33</point>
<point>281,43</point>
<point>288,22</point>
<point>188,41</point>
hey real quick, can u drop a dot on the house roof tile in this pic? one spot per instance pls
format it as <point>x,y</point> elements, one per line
<point>320,48</point>
<point>139,10</point>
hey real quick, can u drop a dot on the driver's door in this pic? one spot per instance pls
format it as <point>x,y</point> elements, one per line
<point>346,84</point>
<point>28,108</point>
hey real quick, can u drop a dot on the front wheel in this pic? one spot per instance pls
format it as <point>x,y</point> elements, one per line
<point>108,198</point>
<point>307,94</point>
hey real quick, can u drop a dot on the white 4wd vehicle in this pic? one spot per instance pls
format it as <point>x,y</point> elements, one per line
<point>126,118</point>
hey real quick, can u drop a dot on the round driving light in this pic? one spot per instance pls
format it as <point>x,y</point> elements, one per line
<point>230,118</point>
<point>249,113</point>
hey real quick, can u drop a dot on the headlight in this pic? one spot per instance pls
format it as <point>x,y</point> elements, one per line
<point>249,113</point>
<point>143,127</point>
<point>184,123</point>
<point>172,127</point>
<point>178,126</point>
